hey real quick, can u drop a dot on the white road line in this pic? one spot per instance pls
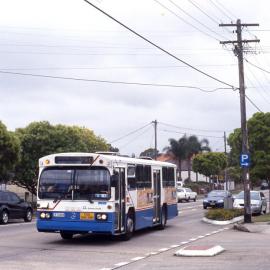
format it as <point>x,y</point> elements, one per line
<point>163,249</point>
<point>194,209</point>
<point>174,246</point>
<point>121,264</point>
<point>137,258</point>
<point>193,239</point>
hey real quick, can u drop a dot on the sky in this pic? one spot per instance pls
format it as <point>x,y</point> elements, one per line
<point>108,79</point>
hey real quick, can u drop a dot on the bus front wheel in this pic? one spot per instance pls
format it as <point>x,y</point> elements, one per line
<point>129,228</point>
<point>66,235</point>
<point>163,219</point>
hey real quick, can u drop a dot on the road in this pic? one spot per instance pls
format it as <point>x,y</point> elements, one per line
<point>22,247</point>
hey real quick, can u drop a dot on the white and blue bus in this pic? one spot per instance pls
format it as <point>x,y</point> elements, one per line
<point>102,193</point>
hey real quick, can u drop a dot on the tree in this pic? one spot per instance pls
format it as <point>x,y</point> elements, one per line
<point>209,164</point>
<point>150,152</point>
<point>179,150</point>
<point>9,153</point>
<point>185,149</point>
<point>259,146</point>
<point>194,146</point>
<point>41,138</point>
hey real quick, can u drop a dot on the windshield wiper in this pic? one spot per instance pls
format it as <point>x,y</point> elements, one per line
<point>59,197</point>
<point>90,198</point>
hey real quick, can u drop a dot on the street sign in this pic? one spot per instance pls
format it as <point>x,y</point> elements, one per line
<point>245,160</point>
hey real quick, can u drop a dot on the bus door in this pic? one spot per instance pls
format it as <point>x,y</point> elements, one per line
<point>120,206</point>
<point>156,196</point>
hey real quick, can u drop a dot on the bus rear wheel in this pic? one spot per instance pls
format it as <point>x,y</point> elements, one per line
<point>66,235</point>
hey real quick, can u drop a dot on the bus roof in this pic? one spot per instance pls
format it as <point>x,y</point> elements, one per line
<point>92,158</point>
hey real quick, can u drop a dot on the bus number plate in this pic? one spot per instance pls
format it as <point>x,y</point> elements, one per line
<point>87,216</point>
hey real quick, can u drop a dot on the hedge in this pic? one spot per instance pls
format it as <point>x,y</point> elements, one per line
<point>223,214</point>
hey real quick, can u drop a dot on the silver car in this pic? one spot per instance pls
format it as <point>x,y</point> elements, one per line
<point>258,202</point>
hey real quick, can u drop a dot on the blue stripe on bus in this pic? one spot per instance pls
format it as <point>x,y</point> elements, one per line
<point>144,218</point>
<point>172,211</point>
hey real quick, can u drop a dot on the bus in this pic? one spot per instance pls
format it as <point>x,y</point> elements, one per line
<point>99,193</point>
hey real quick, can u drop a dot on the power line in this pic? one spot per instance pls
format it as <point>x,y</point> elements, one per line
<point>185,128</point>
<point>225,9</point>
<point>198,7</point>
<point>115,82</point>
<point>135,138</point>
<point>184,133</point>
<point>253,103</point>
<point>265,98</point>
<point>185,21</point>
<point>112,67</point>
<point>217,7</point>
<point>205,26</point>
<point>262,69</point>
<point>130,133</point>
<point>158,47</point>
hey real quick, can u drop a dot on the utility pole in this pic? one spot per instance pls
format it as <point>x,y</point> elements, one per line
<point>244,158</point>
<point>155,128</point>
<point>225,152</point>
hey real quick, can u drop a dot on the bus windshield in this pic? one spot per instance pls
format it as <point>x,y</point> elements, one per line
<point>74,183</point>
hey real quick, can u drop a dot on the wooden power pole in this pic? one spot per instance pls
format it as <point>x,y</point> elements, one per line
<point>245,157</point>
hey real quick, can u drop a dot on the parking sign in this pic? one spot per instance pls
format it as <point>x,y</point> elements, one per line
<point>245,160</point>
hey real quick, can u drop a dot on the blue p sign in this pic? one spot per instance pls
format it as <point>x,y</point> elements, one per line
<point>245,160</point>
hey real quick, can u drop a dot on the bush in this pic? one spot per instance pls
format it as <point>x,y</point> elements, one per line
<point>200,187</point>
<point>223,214</point>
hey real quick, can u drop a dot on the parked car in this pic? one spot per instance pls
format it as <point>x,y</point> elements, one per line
<point>215,198</point>
<point>258,202</point>
<point>12,207</point>
<point>264,184</point>
<point>186,194</point>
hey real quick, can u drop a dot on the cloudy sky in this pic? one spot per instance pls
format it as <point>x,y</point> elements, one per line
<point>71,39</point>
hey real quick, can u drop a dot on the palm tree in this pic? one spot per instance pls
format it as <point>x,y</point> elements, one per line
<point>185,148</point>
<point>179,150</point>
<point>194,147</point>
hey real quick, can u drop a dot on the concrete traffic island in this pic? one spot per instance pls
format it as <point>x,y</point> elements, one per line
<point>199,251</point>
<point>223,222</point>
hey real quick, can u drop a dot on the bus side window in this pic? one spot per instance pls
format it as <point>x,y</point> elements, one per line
<point>115,183</point>
<point>131,177</point>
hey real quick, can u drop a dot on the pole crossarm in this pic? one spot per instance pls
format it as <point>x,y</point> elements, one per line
<point>236,41</point>
<point>241,24</point>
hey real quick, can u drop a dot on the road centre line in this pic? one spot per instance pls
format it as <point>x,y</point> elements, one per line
<point>150,254</point>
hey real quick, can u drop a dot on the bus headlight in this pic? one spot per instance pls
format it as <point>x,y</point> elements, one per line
<point>101,216</point>
<point>45,215</point>
<point>48,215</point>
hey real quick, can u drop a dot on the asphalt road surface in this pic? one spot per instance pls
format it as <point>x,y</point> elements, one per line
<point>22,247</point>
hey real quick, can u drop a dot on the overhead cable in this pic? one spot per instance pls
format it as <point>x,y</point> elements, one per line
<point>200,22</point>
<point>130,133</point>
<point>158,47</point>
<point>115,82</point>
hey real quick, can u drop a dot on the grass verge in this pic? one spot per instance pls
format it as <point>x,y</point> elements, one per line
<point>261,218</point>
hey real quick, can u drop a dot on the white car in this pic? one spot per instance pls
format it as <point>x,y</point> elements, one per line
<point>258,202</point>
<point>185,194</point>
